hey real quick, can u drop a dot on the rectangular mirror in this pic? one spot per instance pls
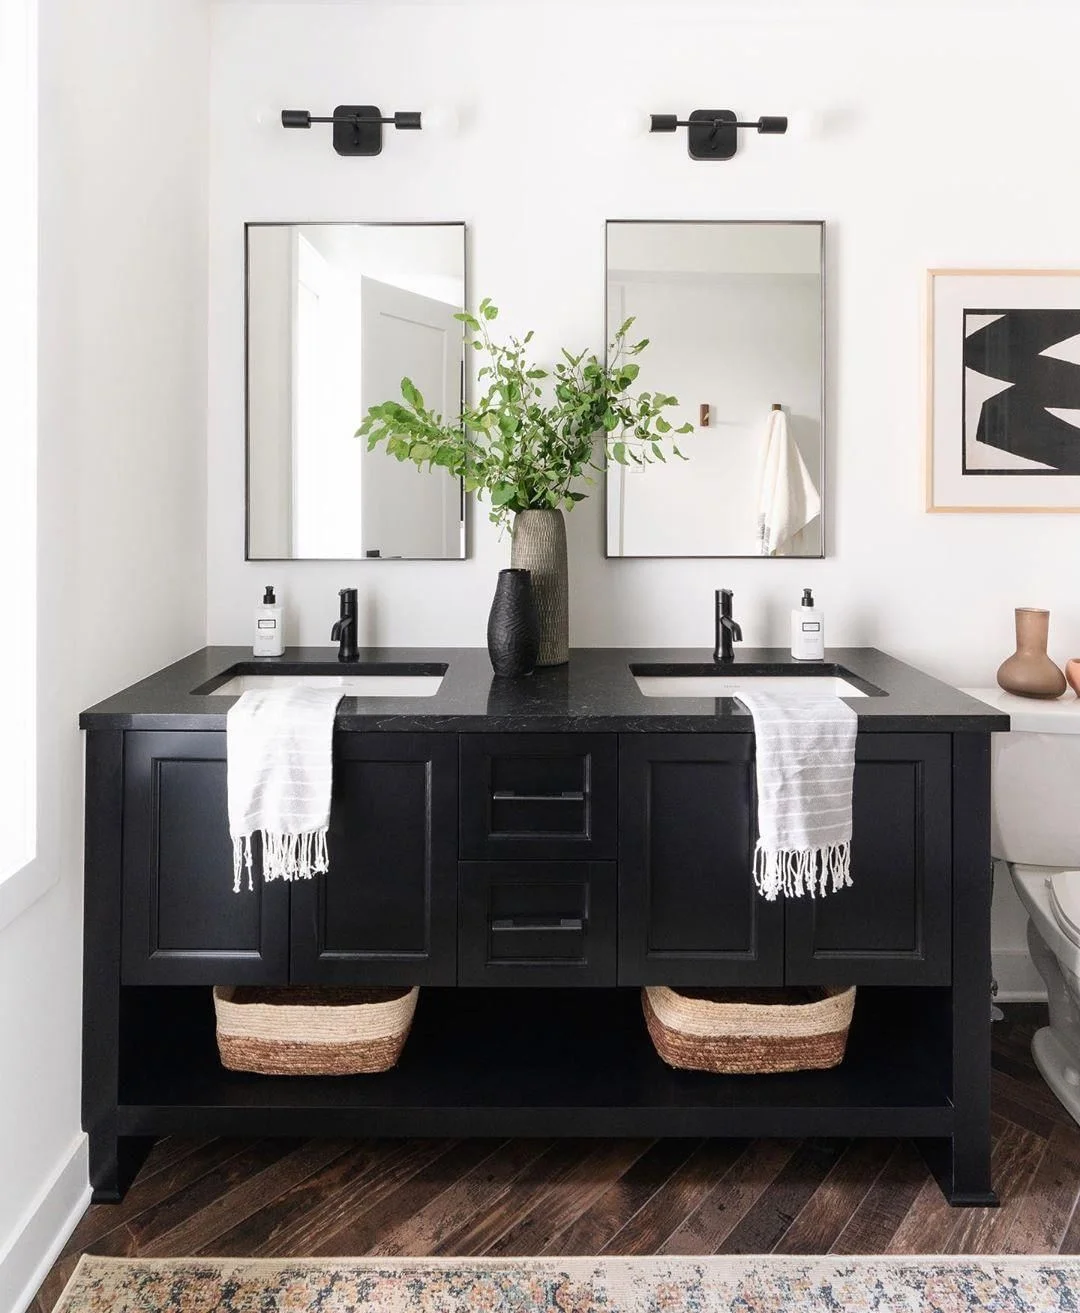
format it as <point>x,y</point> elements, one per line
<point>734,314</point>
<point>336,315</point>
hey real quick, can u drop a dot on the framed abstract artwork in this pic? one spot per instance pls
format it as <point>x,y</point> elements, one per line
<point>1003,390</point>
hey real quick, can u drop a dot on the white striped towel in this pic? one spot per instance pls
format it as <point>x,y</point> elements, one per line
<point>805,753</point>
<point>280,754</point>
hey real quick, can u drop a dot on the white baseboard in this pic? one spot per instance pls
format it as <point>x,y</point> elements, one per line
<point>44,1229</point>
<point>1017,979</point>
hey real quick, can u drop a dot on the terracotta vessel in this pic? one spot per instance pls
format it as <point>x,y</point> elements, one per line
<point>1029,671</point>
<point>1072,674</point>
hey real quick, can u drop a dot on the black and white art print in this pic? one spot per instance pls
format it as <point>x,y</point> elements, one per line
<point>1004,391</point>
<point>1021,392</point>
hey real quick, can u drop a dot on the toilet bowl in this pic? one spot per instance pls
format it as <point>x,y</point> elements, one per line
<point>1035,829</point>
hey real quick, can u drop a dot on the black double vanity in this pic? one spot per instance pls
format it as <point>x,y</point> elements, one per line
<point>531,852</point>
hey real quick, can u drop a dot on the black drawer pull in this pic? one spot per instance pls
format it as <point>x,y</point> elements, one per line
<point>508,795</point>
<point>540,923</point>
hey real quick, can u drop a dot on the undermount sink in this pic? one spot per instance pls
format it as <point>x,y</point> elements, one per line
<point>357,686</point>
<point>694,683</point>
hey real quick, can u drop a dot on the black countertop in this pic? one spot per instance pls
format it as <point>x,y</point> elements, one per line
<point>595,691</point>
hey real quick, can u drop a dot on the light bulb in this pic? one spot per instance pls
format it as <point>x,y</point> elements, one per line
<point>804,124</point>
<point>628,122</point>
<point>441,119</point>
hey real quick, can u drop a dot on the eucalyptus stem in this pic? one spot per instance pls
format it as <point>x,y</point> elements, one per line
<point>530,437</point>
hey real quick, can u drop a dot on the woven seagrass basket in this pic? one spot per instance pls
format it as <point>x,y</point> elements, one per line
<point>312,1031</point>
<point>748,1031</point>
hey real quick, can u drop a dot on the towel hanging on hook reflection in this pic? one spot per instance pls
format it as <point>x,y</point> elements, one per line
<point>787,497</point>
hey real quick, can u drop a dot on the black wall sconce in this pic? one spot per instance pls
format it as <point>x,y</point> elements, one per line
<point>358,129</point>
<point>713,134</point>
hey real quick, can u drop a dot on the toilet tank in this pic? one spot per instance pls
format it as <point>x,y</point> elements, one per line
<point>1035,816</point>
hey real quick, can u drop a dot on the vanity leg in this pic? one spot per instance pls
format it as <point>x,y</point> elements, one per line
<point>114,1163</point>
<point>962,1174</point>
<point>965,1171</point>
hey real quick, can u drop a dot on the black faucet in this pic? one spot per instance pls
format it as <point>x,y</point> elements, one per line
<point>728,631</point>
<point>344,631</point>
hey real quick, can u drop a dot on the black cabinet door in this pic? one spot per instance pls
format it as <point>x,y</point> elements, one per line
<point>182,922</point>
<point>386,911</point>
<point>893,926</point>
<point>688,910</point>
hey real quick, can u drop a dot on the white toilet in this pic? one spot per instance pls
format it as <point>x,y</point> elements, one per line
<point>1036,830</point>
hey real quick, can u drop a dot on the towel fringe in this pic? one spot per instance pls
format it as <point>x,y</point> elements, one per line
<point>284,856</point>
<point>794,872</point>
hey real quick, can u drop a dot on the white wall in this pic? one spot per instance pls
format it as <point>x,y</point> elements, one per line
<point>122,513</point>
<point>947,141</point>
<point>907,173</point>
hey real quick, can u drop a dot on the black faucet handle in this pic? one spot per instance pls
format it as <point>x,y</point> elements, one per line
<point>727,629</point>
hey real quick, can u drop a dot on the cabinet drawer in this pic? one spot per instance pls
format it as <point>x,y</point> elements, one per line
<point>536,923</point>
<point>538,796</point>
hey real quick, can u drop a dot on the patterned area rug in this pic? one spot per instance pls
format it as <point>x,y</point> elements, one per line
<point>576,1285</point>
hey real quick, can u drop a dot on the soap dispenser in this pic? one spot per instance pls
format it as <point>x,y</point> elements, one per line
<point>269,626</point>
<point>807,630</point>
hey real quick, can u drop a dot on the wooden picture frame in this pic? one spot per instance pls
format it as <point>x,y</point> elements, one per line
<point>1002,367</point>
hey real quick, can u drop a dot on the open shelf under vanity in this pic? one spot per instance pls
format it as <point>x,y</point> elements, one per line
<point>535,1062</point>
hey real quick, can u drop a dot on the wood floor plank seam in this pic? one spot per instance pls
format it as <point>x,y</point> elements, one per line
<point>861,1203</point>
<point>552,1167</point>
<point>815,1213</point>
<point>695,1234</point>
<point>902,1177</point>
<point>581,1237</point>
<point>197,1233</point>
<point>249,1236</point>
<point>427,1230</point>
<point>694,1181</point>
<point>1041,1223</point>
<point>394,1168</point>
<point>764,1225</point>
<point>563,1209</point>
<point>404,1198</point>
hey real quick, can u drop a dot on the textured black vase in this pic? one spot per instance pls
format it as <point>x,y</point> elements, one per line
<point>513,632</point>
<point>538,545</point>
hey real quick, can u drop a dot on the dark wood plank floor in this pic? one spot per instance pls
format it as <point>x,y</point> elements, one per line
<point>349,1197</point>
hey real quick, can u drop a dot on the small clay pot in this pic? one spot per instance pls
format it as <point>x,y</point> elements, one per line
<point>1072,674</point>
<point>1029,671</point>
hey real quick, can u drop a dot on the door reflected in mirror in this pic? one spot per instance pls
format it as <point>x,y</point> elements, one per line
<point>734,314</point>
<point>337,314</point>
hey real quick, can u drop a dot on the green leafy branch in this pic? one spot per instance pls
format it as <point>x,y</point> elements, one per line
<point>531,435</point>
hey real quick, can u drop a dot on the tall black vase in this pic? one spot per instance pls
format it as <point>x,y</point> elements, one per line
<point>513,632</point>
